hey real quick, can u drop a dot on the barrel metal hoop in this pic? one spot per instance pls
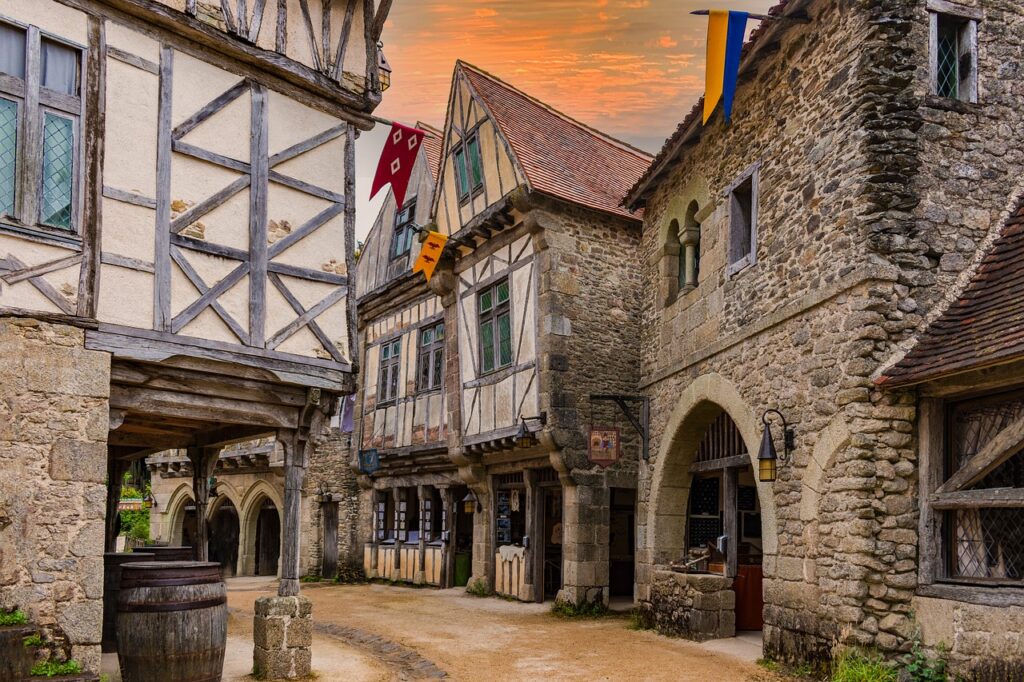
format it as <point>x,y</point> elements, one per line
<point>164,607</point>
<point>174,581</point>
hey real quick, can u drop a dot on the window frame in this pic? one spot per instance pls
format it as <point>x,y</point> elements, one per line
<point>34,102</point>
<point>736,262</point>
<point>389,371</point>
<point>968,17</point>
<point>426,354</point>
<point>399,262</point>
<point>462,160</point>
<point>936,552</point>
<point>493,315</point>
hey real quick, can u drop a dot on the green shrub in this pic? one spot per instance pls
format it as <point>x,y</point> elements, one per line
<point>920,667</point>
<point>640,620</point>
<point>479,588</point>
<point>350,574</point>
<point>15,617</point>
<point>135,524</point>
<point>33,640</point>
<point>54,669</point>
<point>311,578</point>
<point>855,665</point>
<point>594,609</point>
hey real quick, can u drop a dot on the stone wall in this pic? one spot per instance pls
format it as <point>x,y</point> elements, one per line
<point>330,469</point>
<point>54,417</point>
<point>873,198</point>
<point>691,605</point>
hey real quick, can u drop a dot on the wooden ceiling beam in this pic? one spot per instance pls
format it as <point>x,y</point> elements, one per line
<point>139,401</point>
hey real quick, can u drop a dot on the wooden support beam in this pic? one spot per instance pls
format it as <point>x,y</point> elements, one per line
<point>146,401</point>
<point>730,524</point>
<point>115,472</point>
<point>380,18</point>
<point>204,462</point>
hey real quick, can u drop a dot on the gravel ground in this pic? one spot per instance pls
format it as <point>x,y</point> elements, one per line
<point>370,632</point>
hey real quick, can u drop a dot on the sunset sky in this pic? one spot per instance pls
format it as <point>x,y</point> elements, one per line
<point>631,68</point>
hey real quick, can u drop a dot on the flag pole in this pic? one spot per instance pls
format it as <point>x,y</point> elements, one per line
<point>763,17</point>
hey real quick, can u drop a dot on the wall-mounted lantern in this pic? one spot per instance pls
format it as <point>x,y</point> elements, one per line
<point>149,502</point>
<point>383,67</point>
<point>767,457</point>
<point>525,438</point>
<point>470,503</point>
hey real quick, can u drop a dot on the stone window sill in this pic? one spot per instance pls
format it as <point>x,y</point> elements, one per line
<point>973,594</point>
<point>955,105</point>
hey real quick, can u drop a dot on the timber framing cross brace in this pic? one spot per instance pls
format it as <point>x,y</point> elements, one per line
<point>642,425</point>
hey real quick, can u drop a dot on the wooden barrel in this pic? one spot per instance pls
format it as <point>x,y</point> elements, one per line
<point>165,553</point>
<point>112,562</point>
<point>172,621</point>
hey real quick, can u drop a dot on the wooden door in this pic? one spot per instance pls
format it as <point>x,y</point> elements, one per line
<point>329,569</point>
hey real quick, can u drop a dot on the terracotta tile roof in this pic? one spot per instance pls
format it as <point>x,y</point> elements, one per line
<point>984,326</point>
<point>561,157</point>
<point>672,146</point>
<point>432,147</point>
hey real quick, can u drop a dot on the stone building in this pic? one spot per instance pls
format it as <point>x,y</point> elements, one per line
<point>245,511</point>
<point>176,230</point>
<point>791,256</point>
<point>478,440</point>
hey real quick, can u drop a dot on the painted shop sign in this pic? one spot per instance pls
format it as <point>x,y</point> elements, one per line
<point>605,446</point>
<point>369,461</point>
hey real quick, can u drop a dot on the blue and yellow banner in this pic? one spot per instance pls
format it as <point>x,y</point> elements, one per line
<point>725,44</point>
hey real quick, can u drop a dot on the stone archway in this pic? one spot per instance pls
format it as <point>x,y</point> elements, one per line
<point>174,531</point>
<point>224,531</point>
<point>673,598</point>
<point>255,528</point>
<point>700,403</point>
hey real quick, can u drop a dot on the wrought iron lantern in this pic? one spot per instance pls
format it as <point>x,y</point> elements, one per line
<point>383,67</point>
<point>524,437</point>
<point>470,503</point>
<point>767,457</point>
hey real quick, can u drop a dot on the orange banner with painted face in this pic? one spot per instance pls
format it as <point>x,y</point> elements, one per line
<point>430,254</point>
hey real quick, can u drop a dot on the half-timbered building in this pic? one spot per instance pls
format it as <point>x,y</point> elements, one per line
<point>537,298</point>
<point>176,232</point>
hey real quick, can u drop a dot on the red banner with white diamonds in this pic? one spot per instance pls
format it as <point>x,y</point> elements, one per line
<point>397,160</point>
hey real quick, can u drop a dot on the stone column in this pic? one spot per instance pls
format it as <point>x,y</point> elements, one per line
<point>283,632</point>
<point>483,540</point>
<point>689,238</point>
<point>585,521</point>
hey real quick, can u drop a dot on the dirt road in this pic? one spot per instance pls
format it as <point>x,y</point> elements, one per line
<point>418,633</point>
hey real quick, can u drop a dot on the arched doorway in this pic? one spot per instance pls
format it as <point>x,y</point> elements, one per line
<point>188,528</point>
<point>268,539</point>
<point>723,520</point>
<point>223,537</point>
<point>702,488</point>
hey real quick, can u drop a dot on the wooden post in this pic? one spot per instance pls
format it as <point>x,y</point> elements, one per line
<point>329,561</point>
<point>375,498</point>
<point>731,520</point>
<point>204,461</point>
<point>421,559</point>
<point>115,472</point>
<point>445,530</point>
<point>536,546</point>
<point>396,564</point>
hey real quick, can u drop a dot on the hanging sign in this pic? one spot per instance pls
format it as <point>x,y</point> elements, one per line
<point>605,447</point>
<point>369,461</point>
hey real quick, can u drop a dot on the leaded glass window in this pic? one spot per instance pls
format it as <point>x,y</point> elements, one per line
<point>58,170</point>
<point>430,375</point>
<point>954,53</point>
<point>39,163</point>
<point>495,327</point>
<point>984,537</point>
<point>390,362</point>
<point>8,154</point>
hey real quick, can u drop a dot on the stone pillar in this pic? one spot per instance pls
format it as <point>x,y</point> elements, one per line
<point>483,541</point>
<point>689,238</point>
<point>283,637</point>
<point>585,521</point>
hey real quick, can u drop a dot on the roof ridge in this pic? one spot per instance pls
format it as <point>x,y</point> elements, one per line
<point>625,146</point>
<point>433,131</point>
